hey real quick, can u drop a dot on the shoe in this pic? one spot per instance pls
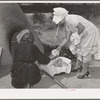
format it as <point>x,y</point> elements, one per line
<point>77,69</point>
<point>83,76</point>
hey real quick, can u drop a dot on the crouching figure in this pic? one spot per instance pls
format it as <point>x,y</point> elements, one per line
<point>24,71</point>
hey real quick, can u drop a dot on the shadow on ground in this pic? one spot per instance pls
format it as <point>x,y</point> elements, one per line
<point>63,75</point>
<point>47,82</point>
<point>95,72</point>
<point>4,70</point>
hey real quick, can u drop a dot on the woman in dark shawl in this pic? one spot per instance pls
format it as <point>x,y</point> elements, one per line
<point>24,71</point>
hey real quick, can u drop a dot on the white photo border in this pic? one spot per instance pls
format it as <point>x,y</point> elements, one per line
<point>50,93</point>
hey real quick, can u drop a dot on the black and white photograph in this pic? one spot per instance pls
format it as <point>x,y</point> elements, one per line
<point>50,45</point>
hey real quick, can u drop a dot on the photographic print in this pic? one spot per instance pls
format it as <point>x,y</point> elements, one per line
<point>61,61</point>
<point>50,45</point>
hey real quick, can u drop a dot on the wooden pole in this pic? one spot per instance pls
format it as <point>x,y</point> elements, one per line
<point>56,32</point>
<point>59,83</point>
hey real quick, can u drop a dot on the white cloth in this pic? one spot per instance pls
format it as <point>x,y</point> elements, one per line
<point>88,45</point>
<point>54,69</point>
<point>75,40</point>
<point>97,55</point>
<point>59,14</point>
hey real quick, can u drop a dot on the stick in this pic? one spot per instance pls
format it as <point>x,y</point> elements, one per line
<point>59,83</point>
<point>56,32</point>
